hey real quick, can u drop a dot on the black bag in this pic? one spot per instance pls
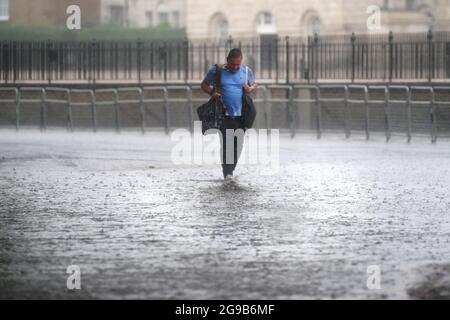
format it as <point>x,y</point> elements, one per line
<point>248,107</point>
<point>248,111</point>
<point>212,113</point>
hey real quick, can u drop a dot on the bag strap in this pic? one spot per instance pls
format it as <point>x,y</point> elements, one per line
<point>218,76</point>
<point>246,75</point>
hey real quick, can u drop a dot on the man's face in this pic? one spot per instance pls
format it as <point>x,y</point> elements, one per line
<point>234,65</point>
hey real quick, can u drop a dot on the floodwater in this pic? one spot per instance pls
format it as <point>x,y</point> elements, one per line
<point>139,226</point>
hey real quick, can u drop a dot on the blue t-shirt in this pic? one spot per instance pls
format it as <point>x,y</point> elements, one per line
<point>232,88</point>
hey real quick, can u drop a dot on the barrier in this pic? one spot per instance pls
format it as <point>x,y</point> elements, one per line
<point>15,101</point>
<point>165,100</point>
<point>92,103</point>
<point>431,102</point>
<point>288,101</point>
<point>408,107</point>
<point>316,101</point>
<point>189,102</point>
<point>438,103</point>
<point>41,101</point>
<point>17,97</point>
<point>387,123</point>
<point>344,100</point>
<point>110,102</point>
<point>365,102</point>
<point>61,101</point>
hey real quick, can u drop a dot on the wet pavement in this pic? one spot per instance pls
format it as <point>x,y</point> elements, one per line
<point>140,227</point>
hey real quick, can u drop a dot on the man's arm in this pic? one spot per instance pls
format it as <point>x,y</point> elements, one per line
<point>209,90</point>
<point>250,89</point>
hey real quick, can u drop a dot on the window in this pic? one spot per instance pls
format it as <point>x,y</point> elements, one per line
<point>313,26</point>
<point>265,23</point>
<point>265,18</point>
<point>399,4</point>
<point>117,15</point>
<point>311,23</point>
<point>176,19</point>
<point>429,15</point>
<point>219,27</point>
<point>149,17</point>
<point>163,17</point>
<point>4,10</point>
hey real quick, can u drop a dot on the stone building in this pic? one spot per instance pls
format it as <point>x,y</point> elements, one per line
<point>240,18</point>
<point>127,13</point>
<point>144,13</point>
<point>47,12</point>
<point>250,18</point>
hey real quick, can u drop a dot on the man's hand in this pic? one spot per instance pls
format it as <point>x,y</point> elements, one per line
<point>216,94</point>
<point>208,90</point>
<point>249,89</point>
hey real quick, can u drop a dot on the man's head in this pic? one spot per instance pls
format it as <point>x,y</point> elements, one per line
<point>234,60</point>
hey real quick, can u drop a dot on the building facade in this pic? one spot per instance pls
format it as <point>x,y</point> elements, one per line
<point>206,19</point>
<point>126,13</point>
<point>144,13</point>
<point>249,18</point>
<point>47,12</point>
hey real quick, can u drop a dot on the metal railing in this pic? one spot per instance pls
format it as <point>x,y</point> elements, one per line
<point>386,58</point>
<point>318,96</point>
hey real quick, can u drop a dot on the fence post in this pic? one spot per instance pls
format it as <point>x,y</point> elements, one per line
<point>387,114</point>
<point>17,109</point>
<point>433,118</point>
<point>277,64</point>
<point>353,41</point>
<point>117,111</point>
<point>290,112</point>
<point>347,114</point>
<point>266,106</point>
<point>165,61</point>
<point>142,109</point>
<point>139,60</point>
<point>14,61</point>
<point>430,55</point>
<point>409,115</point>
<point>310,59</point>
<point>92,63</point>
<point>319,114</point>
<point>287,60</point>
<point>315,55</point>
<point>166,111</point>
<point>49,61</point>
<point>94,111</point>
<point>391,55</point>
<point>186,59</point>
<point>43,110</point>
<point>191,110</point>
<point>5,61</point>
<point>229,44</point>
<point>69,111</point>
<point>367,112</point>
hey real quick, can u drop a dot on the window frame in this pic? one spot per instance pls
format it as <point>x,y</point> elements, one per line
<point>5,6</point>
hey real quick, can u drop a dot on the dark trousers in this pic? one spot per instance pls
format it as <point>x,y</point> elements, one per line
<point>232,143</point>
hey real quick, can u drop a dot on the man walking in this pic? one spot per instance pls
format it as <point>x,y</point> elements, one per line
<point>235,79</point>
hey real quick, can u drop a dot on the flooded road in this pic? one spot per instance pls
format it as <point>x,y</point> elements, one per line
<point>140,227</point>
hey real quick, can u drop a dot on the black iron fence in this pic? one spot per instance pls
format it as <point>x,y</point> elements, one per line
<point>384,58</point>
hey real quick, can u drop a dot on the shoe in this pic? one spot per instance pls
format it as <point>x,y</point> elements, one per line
<point>229,177</point>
